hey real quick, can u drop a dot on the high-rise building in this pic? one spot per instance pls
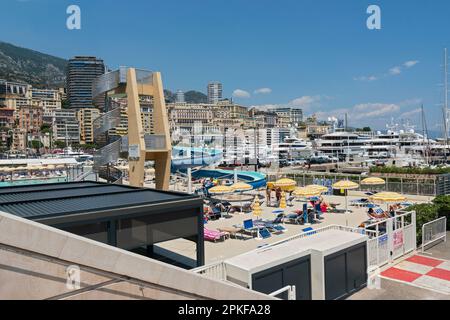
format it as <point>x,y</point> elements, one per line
<point>214,92</point>
<point>81,72</point>
<point>179,96</point>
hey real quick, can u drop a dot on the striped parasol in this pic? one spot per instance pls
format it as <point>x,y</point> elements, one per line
<point>373,181</point>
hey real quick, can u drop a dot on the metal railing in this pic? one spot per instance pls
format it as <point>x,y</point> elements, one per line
<point>395,237</point>
<point>108,154</point>
<point>423,186</point>
<point>434,231</point>
<point>216,271</point>
<point>152,142</point>
<point>290,292</point>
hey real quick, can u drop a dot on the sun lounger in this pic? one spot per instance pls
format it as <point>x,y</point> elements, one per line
<point>211,235</point>
<point>264,233</point>
<point>232,231</point>
<point>360,202</point>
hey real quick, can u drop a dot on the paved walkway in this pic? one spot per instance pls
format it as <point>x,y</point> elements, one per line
<point>423,272</point>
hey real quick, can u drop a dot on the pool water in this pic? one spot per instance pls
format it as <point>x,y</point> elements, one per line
<point>23,182</point>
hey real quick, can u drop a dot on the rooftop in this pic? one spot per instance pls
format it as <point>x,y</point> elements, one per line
<point>44,201</point>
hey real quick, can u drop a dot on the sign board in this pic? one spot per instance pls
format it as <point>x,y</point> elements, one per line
<point>133,152</point>
<point>383,239</point>
<point>398,239</point>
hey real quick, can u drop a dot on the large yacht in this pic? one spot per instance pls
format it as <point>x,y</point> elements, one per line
<point>293,149</point>
<point>342,144</point>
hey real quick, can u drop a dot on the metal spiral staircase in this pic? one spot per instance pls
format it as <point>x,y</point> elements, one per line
<point>112,147</point>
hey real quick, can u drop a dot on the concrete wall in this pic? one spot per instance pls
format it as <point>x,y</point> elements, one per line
<point>34,258</point>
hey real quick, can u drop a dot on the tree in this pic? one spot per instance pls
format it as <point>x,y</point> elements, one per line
<point>36,144</point>
<point>60,144</point>
<point>46,128</point>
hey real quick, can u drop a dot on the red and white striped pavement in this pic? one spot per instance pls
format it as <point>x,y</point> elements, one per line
<point>421,271</point>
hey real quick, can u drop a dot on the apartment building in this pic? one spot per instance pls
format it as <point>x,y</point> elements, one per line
<point>81,72</point>
<point>214,91</point>
<point>30,118</point>
<point>7,119</point>
<point>86,119</point>
<point>48,99</point>
<point>15,94</point>
<point>65,125</point>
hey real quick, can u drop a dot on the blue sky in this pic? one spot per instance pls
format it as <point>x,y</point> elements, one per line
<point>314,54</point>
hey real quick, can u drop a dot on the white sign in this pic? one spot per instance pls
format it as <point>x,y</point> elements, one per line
<point>134,152</point>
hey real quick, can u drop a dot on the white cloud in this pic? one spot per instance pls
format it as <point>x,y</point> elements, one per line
<point>412,63</point>
<point>395,71</point>
<point>263,91</point>
<point>238,93</point>
<point>365,78</point>
<point>372,110</point>
<point>411,113</point>
<point>304,102</point>
<point>363,111</point>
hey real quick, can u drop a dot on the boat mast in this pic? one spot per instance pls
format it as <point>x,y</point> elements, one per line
<point>445,106</point>
<point>426,140</point>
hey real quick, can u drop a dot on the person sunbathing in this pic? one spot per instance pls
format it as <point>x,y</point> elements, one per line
<point>378,216</point>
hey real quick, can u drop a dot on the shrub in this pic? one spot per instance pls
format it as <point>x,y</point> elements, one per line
<point>424,213</point>
<point>443,207</point>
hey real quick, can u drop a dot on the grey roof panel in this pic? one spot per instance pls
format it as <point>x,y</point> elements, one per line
<point>41,201</point>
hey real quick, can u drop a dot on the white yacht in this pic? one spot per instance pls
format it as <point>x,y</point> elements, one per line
<point>342,144</point>
<point>293,149</point>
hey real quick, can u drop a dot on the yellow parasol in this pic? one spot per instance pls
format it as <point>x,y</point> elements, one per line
<point>283,201</point>
<point>345,185</point>
<point>257,211</point>
<point>220,190</point>
<point>387,197</point>
<point>374,181</point>
<point>306,192</point>
<point>241,186</point>
<point>285,183</point>
<point>321,189</point>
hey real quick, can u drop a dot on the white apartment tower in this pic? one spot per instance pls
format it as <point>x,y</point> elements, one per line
<point>214,92</point>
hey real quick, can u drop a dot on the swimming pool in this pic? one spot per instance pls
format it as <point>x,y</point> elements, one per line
<point>23,182</point>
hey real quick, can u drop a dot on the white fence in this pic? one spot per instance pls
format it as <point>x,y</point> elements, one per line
<point>290,290</point>
<point>395,238</point>
<point>434,231</point>
<point>218,270</point>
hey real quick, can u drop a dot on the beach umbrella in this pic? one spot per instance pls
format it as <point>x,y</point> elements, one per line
<point>306,192</point>
<point>241,186</point>
<point>345,185</point>
<point>283,201</point>
<point>220,190</point>
<point>257,211</point>
<point>373,181</point>
<point>283,183</point>
<point>388,197</point>
<point>320,188</point>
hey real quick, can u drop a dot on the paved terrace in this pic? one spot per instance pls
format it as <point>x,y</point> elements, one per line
<point>218,251</point>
